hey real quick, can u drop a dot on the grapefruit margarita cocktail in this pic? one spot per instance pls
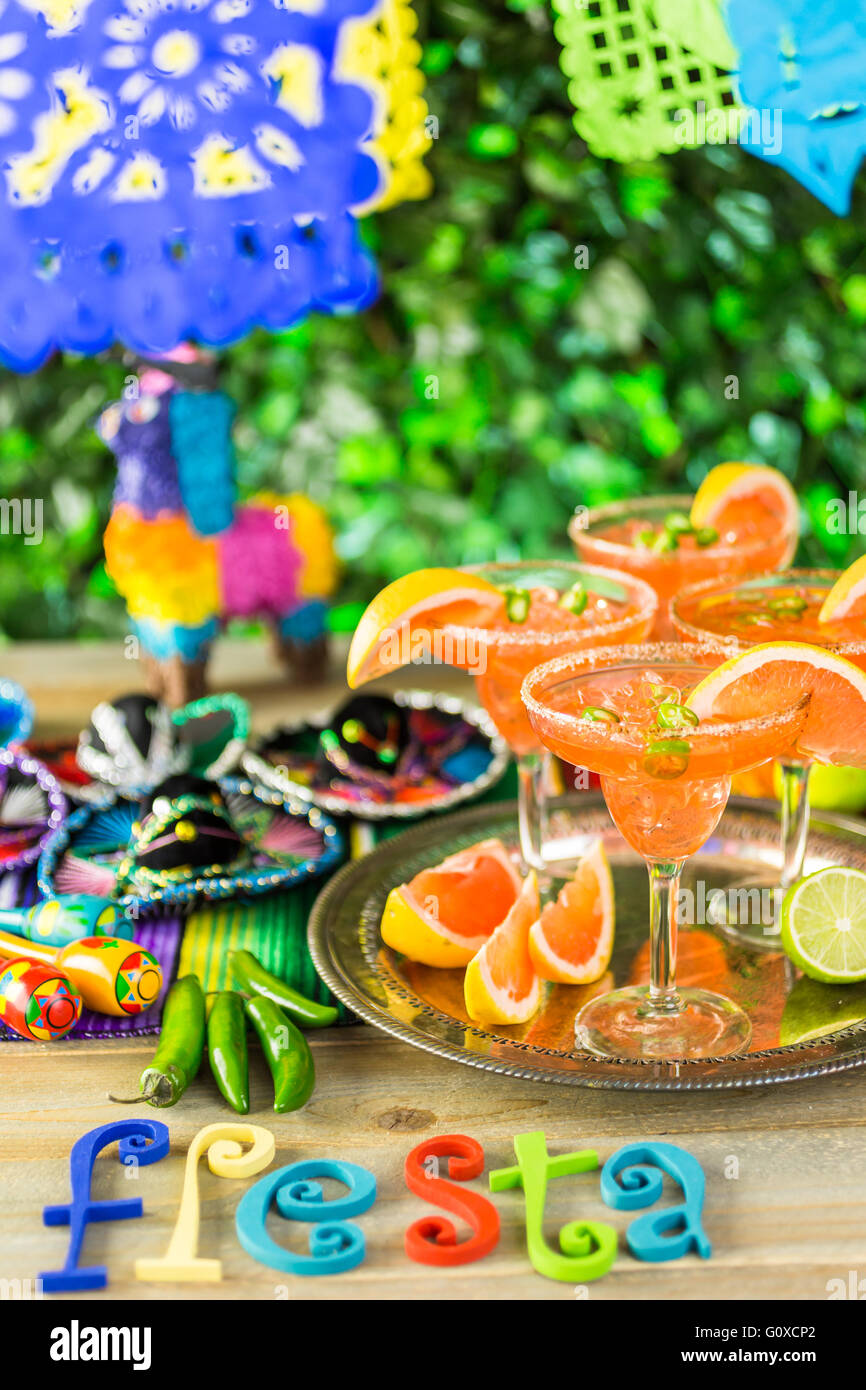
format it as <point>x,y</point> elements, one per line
<point>497,622</point>
<point>742,520</point>
<point>623,713</point>
<point>783,607</point>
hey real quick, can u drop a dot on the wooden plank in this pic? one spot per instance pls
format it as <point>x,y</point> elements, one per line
<point>792,1218</point>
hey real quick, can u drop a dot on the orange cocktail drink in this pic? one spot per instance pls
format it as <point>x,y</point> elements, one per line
<point>654,539</point>
<point>496,622</point>
<point>782,607</point>
<point>665,775</point>
<point>546,609</point>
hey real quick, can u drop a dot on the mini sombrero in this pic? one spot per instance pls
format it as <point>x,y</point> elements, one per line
<point>186,839</point>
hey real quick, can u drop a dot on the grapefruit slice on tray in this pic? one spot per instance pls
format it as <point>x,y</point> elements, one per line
<point>749,499</point>
<point>847,598</point>
<point>501,985</point>
<point>444,915</point>
<point>775,675</point>
<point>404,615</point>
<point>572,941</point>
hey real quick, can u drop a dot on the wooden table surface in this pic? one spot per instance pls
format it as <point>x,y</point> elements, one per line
<point>785,1165</point>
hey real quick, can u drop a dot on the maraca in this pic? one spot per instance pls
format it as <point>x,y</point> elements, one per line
<point>113,976</point>
<point>68,917</point>
<point>36,1001</point>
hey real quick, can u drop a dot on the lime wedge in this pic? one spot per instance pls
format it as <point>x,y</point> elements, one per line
<point>824,925</point>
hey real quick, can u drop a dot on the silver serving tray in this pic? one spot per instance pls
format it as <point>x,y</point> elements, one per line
<point>260,770</point>
<point>424,1007</point>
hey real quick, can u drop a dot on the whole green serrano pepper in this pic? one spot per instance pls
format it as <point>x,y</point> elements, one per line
<point>181,1044</point>
<point>252,978</point>
<point>287,1052</point>
<point>227,1049</point>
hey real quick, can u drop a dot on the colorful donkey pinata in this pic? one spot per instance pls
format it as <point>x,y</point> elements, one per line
<point>185,554</point>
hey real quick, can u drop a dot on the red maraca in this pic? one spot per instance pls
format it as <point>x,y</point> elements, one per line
<point>36,1001</point>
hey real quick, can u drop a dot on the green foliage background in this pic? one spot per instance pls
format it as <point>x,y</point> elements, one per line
<point>556,385</point>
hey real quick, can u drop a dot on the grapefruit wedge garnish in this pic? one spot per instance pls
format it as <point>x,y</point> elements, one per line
<point>501,985</point>
<point>746,498</point>
<point>572,940</point>
<point>446,913</point>
<point>847,598</point>
<point>398,624</point>
<point>772,677</point>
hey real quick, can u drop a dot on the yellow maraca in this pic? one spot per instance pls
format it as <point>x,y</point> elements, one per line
<point>112,976</point>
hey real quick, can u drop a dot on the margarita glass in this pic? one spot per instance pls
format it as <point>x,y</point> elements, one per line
<point>548,609</point>
<point>646,537</point>
<point>780,607</point>
<point>665,775</point>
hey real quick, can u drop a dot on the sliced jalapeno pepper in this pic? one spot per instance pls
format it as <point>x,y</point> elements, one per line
<point>575,599</point>
<point>252,978</point>
<point>673,716</point>
<point>287,1053</point>
<point>517,604</point>
<point>181,1044</point>
<point>597,714</point>
<point>665,542</point>
<point>789,606</point>
<point>706,535</point>
<point>227,1049</point>
<point>667,758</point>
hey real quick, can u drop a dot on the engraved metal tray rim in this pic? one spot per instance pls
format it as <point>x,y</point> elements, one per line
<point>336,919</point>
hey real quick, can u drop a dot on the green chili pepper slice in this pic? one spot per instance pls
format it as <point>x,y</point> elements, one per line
<point>673,716</point>
<point>678,522</point>
<point>575,599</point>
<point>227,1049</point>
<point>667,758</point>
<point>791,606</point>
<point>706,535</point>
<point>597,714</point>
<point>251,976</point>
<point>665,542</point>
<point>645,538</point>
<point>181,1044</point>
<point>287,1053</point>
<point>517,604</point>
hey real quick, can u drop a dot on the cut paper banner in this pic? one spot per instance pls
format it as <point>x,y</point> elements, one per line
<point>785,79</point>
<point>177,169</point>
<point>379,51</point>
<point>646,79</point>
<point>804,66</point>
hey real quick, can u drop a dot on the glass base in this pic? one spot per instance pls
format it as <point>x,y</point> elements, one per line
<point>625,1024</point>
<point>752,918</point>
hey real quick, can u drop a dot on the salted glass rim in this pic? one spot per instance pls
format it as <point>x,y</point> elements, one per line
<point>518,634</point>
<point>672,654</point>
<point>582,524</point>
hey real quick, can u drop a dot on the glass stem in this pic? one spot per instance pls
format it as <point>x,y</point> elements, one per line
<point>664,877</point>
<point>532,777</point>
<point>795,820</point>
